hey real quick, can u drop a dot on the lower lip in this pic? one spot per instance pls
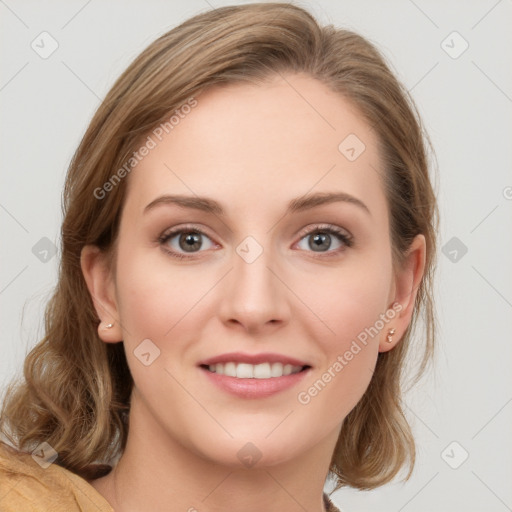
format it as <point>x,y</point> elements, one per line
<point>255,388</point>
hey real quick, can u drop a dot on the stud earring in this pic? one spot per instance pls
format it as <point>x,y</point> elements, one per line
<point>109,326</point>
<point>389,337</point>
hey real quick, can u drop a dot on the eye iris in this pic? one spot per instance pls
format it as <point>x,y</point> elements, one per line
<point>190,241</point>
<point>318,240</point>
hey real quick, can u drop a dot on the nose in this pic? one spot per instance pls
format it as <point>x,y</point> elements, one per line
<point>255,296</point>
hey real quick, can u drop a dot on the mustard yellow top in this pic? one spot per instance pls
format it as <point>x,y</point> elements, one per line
<point>28,486</point>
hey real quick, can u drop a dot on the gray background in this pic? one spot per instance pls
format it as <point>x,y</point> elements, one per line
<point>466,103</point>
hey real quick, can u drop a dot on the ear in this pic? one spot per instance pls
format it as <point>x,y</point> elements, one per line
<point>407,280</point>
<point>101,286</point>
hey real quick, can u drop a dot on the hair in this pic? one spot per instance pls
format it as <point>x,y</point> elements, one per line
<point>76,390</point>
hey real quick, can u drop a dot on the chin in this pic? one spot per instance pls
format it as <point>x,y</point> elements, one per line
<point>253,452</point>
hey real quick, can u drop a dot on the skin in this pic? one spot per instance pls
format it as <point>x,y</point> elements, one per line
<point>252,148</point>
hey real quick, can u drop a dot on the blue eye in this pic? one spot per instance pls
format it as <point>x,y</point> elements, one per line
<point>321,239</point>
<point>186,241</point>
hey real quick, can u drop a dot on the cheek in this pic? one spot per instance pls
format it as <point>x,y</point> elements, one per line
<point>159,303</point>
<point>352,304</point>
<point>153,296</point>
<point>351,299</point>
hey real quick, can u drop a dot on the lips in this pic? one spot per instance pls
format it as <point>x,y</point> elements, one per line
<point>254,375</point>
<point>254,359</point>
<point>254,388</point>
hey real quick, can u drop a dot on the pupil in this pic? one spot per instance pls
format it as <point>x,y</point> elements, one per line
<point>320,238</point>
<point>190,240</point>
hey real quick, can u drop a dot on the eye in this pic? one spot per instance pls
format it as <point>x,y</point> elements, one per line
<point>189,239</point>
<point>321,238</point>
<point>177,242</point>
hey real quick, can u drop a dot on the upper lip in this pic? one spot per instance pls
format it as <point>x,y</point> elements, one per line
<point>240,357</point>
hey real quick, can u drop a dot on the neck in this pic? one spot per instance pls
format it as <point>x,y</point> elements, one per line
<point>157,473</point>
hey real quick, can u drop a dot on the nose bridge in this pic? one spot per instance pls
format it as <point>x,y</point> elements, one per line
<point>256,297</point>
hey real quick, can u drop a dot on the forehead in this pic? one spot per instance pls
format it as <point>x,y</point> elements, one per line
<point>251,144</point>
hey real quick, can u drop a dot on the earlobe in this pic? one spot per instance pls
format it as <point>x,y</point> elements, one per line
<point>407,281</point>
<point>102,290</point>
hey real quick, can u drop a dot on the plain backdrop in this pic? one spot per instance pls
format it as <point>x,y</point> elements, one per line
<point>453,56</point>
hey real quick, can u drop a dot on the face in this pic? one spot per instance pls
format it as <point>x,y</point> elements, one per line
<point>243,277</point>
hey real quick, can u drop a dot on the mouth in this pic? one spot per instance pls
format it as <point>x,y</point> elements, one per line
<point>266,370</point>
<point>249,376</point>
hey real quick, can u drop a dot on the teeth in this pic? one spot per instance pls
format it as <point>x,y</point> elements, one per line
<point>254,371</point>
<point>243,371</point>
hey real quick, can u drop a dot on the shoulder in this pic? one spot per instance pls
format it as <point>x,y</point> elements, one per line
<point>35,486</point>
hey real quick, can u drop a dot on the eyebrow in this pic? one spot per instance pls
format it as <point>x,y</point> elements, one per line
<point>299,204</point>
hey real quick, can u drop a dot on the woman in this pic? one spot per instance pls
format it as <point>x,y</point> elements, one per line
<point>248,240</point>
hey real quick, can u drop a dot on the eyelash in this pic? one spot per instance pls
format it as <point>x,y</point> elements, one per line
<point>347,240</point>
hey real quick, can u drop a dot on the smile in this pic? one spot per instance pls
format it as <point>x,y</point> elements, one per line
<point>254,371</point>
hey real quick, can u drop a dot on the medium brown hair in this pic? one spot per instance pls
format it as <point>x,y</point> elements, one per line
<point>76,389</point>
